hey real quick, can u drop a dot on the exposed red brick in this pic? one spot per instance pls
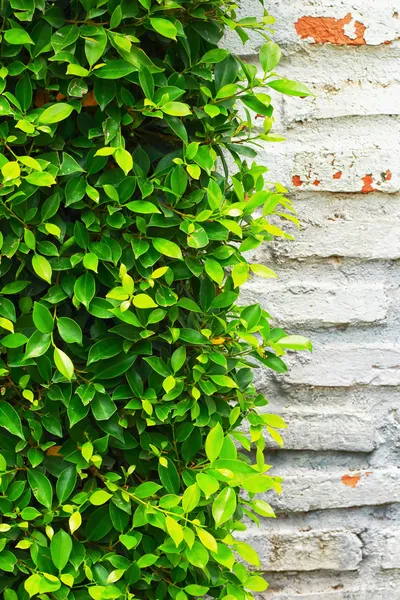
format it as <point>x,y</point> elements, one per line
<point>337,175</point>
<point>367,187</point>
<point>351,480</point>
<point>41,98</point>
<point>328,30</point>
<point>317,183</point>
<point>388,175</point>
<point>297,181</point>
<point>89,99</point>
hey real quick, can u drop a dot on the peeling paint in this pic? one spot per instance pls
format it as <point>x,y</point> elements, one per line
<point>297,181</point>
<point>367,188</point>
<point>351,480</point>
<point>328,30</point>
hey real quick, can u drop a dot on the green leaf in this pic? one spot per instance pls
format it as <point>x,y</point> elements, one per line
<point>224,381</point>
<point>169,477</point>
<point>42,318</point>
<point>214,441</point>
<point>85,289</point>
<point>197,555</point>
<point>191,498</point>
<point>240,274</point>
<point>176,109</point>
<point>14,340</point>
<point>10,420</point>
<point>178,359</point>
<point>143,301</point>
<point>69,330</point>
<point>207,484</point>
<point>214,270</point>
<point>142,207</point>
<point>114,69</point>
<point>167,248</point>
<point>63,363</point>
<point>290,88</point>
<point>263,271</point>
<point>56,113</point>
<point>256,583</point>
<point>196,590</point>
<point>270,56</point>
<point>214,56</point>
<point>207,540</point>
<point>165,27</point>
<point>100,497</point>
<point>295,342</point>
<point>224,506</point>
<point>174,529</point>
<point>124,160</point>
<point>95,44</point>
<point>41,179</point>
<point>38,344</point>
<point>41,487</point>
<point>147,489</point>
<point>42,267</point>
<point>60,549</point>
<point>17,37</point>
<point>66,484</point>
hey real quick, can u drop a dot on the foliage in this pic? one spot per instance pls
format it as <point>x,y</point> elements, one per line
<point>127,358</point>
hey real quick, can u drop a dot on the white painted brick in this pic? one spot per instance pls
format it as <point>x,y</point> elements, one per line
<point>337,66</point>
<point>348,22</point>
<point>348,239</point>
<point>350,98</point>
<point>347,365</point>
<point>309,490</point>
<point>371,593</point>
<point>362,169</point>
<point>391,552</point>
<point>307,551</point>
<point>374,23</point>
<point>318,304</point>
<point>327,430</point>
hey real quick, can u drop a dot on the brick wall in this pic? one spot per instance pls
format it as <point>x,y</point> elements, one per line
<point>338,532</point>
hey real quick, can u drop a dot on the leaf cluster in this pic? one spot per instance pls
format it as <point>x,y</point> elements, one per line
<point>129,196</point>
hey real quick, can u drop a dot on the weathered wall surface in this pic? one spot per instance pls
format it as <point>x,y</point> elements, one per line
<point>338,532</point>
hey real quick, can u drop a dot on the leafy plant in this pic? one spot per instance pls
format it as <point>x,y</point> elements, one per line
<point>127,357</point>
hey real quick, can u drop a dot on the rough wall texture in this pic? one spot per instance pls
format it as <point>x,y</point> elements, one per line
<point>338,532</point>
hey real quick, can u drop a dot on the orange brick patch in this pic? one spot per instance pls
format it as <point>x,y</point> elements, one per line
<point>328,30</point>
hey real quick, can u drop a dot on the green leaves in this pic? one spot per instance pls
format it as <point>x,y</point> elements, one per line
<point>42,267</point>
<point>63,363</point>
<point>114,69</point>
<point>224,506</point>
<point>270,56</point>
<point>9,419</point>
<point>42,318</point>
<point>41,487</point>
<point>56,113</point>
<point>131,433</point>
<point>214,442</point>
<point>85,289</point>
<point>290,88</point>
<point>69,330</point>
<point>17,37</point>
<point>164,27</point>
<point>167,248</point>
<point>60,549</point>
<point>66,484</point>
